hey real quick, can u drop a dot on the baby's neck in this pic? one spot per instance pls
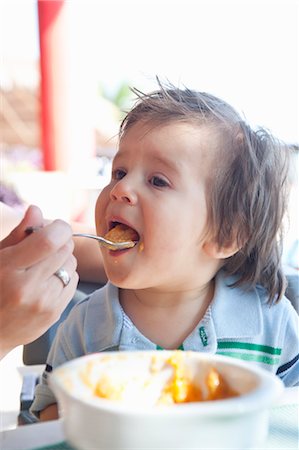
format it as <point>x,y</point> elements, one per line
<point>165,317</point>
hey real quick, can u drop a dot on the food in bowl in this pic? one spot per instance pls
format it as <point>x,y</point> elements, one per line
<point>170,378</point>
<point>128,411</point>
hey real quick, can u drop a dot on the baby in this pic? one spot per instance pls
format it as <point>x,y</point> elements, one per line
<point>205,196</point>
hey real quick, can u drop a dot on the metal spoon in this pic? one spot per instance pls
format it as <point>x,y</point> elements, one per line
<point>104,242</point>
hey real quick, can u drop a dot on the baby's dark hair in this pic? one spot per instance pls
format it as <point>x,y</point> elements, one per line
<point>246,193</point>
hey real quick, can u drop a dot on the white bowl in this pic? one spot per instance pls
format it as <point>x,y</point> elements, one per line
<point>95,423</point>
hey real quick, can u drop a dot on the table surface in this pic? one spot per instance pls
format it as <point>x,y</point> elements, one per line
<point>283,430</point>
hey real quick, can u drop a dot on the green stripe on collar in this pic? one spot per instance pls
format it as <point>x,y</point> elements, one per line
<point>181,347</point>
<point>247,346</point>
<point>251,357</point>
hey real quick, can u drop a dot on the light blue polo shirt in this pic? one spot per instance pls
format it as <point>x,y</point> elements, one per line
<point>238,324</point>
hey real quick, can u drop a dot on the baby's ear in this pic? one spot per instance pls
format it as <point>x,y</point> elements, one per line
<point>213,250</point>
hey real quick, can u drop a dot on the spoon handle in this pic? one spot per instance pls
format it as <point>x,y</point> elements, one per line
<point>106,243</point>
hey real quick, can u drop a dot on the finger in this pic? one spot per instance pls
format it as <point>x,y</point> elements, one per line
<point>33,217</point>
<point>69,291</point>
<point>47,267</point>
<point>59,296</point>
<point>70,268</point>
<point>39,245</point>
<point>56,295</point>
<point>46,309</point>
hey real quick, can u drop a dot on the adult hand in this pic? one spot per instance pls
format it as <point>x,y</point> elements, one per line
<point>32,296</point>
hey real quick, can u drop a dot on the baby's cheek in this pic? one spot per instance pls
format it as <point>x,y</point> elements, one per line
<point>97,213</point>
<point>164,244</point>
<point>100,210</point>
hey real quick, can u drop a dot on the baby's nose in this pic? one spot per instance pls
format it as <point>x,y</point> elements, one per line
<point>123,192</point>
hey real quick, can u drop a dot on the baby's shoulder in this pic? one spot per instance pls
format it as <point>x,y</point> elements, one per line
<point>279,318</point>
<point>248,303</point>
<point>96,321</point>
<point>281,307</point>
<point>103,297</point>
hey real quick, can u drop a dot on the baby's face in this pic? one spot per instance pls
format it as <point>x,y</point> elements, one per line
<point>158,183</point>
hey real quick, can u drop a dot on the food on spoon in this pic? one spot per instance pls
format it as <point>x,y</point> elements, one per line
<point>122,233</point>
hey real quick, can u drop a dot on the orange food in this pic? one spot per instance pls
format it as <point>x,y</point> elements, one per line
<point>180,389</point>
<point>106,389</point>
<point>218,387</point>
<point>182,386</point>
<point>121,233</point>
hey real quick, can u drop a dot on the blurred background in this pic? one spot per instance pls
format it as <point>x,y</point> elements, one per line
<point>66,68</point>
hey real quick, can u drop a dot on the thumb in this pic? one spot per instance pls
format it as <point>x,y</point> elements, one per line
<point>33,218</point>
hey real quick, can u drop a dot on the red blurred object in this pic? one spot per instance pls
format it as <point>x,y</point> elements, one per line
<point>67,131</point>
<point>48,14</point>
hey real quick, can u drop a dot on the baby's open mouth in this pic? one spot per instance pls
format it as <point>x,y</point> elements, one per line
<point>119,232</point>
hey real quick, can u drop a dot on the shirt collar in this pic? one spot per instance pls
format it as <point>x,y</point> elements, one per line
<point>236,312</point>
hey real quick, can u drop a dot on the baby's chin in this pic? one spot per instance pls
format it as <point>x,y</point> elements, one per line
<point>126,284</point>
<point>126,280</point>
<point>120,279</point>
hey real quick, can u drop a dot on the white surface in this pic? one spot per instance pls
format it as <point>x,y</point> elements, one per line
<point>12,370</point>
<point>32,436</point>
<point>47,433</point>
<point>289,396</point>
<point>10,388</point>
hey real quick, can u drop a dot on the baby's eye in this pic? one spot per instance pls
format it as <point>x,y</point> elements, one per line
<point>118,174</point>
<point>158,181</point>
